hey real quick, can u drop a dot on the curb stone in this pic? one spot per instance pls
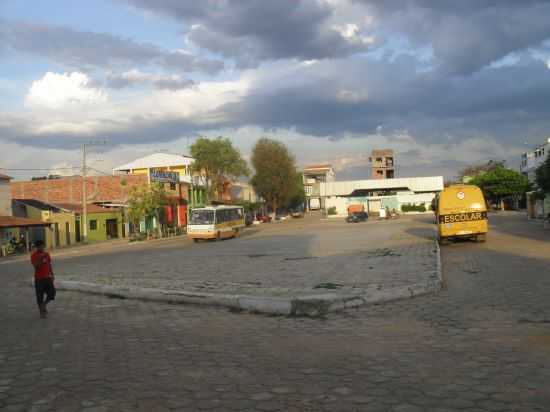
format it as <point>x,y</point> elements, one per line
<point>311,305</point>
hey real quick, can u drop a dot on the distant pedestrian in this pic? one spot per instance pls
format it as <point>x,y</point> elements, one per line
<point>43,277</point>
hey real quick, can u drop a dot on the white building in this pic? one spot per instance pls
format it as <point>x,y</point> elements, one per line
<point>380,193</point>
<point>532,159</point>
<point>530,162</point>
<point>314,175</point>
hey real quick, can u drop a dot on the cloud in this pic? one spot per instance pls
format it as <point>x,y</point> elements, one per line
<point>252,31</point>
<point>54,91</point>
<point>136,77</point>
<point>332,98</point>
<point>465,35</point>
<point>86,50</point>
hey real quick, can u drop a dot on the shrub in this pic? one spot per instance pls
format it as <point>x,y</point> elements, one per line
<point>408,207</point>
<point>331,211</point>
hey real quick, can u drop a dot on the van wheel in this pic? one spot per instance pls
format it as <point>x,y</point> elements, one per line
<point>481,238</point>
<point>443,241</point>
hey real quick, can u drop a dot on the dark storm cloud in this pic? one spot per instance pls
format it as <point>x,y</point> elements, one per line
<point>505,102</point>
<point>255,30</point>
<point>466,35</point>
<point>85,50</point>
<point>140,129</point>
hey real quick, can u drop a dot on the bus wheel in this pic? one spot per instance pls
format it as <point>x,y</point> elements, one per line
<point>218,236</point>
<point>195,240</point>
<point>481,238</point>
<point>236,233</point>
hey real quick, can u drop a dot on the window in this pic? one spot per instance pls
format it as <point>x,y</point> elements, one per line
<point>93,224</point>
<point>172,186</point>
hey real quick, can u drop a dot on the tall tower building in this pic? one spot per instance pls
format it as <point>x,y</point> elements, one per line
<point>382,164</point>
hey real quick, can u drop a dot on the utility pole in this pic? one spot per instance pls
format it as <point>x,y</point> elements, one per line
<point>84,217</point>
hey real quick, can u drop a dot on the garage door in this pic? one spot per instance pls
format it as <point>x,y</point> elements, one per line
<point>374,205</point>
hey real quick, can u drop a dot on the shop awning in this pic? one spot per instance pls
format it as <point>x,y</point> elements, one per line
<point>8,222</point>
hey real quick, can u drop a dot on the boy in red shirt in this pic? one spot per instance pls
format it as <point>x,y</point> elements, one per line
<point>43,278</point>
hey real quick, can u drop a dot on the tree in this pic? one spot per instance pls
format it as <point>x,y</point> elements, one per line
<point>472,171</point>
<point>276,178</point>
<point>501,182</point>
<point>543,176</point>
<point>146,201</point>
<point>218,162</point>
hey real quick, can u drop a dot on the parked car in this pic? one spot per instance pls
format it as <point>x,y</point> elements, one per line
<point>248,218</point>
<point>297,214</point>
<point>357,217</point>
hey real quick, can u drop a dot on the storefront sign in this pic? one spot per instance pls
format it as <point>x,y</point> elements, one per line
<point>162,176</point>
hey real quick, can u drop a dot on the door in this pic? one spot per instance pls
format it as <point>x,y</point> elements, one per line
<point>67,233</point>
<point>112,228</point>
<point>77,231</point>
<point>374,206</point>
<point>56,235</point>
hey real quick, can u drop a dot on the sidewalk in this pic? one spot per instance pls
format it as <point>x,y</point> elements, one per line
<point>80,249</point>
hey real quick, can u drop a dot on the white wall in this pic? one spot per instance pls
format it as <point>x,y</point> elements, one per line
<point>342,203</point>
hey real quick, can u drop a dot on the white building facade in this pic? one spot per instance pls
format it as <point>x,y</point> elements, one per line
<point>530,162</point>
<point>376,194</point>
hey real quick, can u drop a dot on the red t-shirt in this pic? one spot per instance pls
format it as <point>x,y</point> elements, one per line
<point>42,264</point>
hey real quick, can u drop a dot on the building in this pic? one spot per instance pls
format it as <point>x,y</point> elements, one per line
<point>314,175</point>
<point>530,162</point>
<point>382,164</point>
<point>243,192</point>
<point>62,223</point>
<point>17,228</point>
<point>5,195</point>
<point>14,228</point>
<point>376,194</point>
<point>191,185</point>
<point>104,223</point>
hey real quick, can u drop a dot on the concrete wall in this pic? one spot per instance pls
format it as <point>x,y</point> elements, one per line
<point>5,198</point>
<point>392,202</point>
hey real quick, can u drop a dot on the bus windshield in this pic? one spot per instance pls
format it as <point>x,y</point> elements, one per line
<point>202,217</point>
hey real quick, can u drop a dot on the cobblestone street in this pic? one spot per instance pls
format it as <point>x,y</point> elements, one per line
<point>482,344</point>
<point>293,258</point>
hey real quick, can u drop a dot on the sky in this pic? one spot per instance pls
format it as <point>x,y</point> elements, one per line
<point>445,84</point>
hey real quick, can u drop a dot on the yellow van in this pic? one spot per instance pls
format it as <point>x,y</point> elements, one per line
<point>462,212</point>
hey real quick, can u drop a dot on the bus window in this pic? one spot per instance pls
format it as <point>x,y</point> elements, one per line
<point>202,217</point>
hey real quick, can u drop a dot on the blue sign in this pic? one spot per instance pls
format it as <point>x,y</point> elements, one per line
<point>162,176</point>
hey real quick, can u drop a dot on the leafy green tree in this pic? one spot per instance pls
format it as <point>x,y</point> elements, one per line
<point>218,162</point>
<point>501,182</point>
<point>472,171</point>
<point>276,179</point>
<point>543,176</point>
<point>146,201</point>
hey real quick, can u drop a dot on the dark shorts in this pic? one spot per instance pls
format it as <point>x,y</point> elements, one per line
<point>44,287</point>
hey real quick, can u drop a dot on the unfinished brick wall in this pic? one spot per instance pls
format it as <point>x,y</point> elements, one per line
<point>69,189</point>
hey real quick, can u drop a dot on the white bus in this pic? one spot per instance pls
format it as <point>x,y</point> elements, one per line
<point>215,222</point>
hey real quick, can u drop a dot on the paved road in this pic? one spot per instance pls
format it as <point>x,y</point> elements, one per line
<point>483,344</point>
<point>295,258</point>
